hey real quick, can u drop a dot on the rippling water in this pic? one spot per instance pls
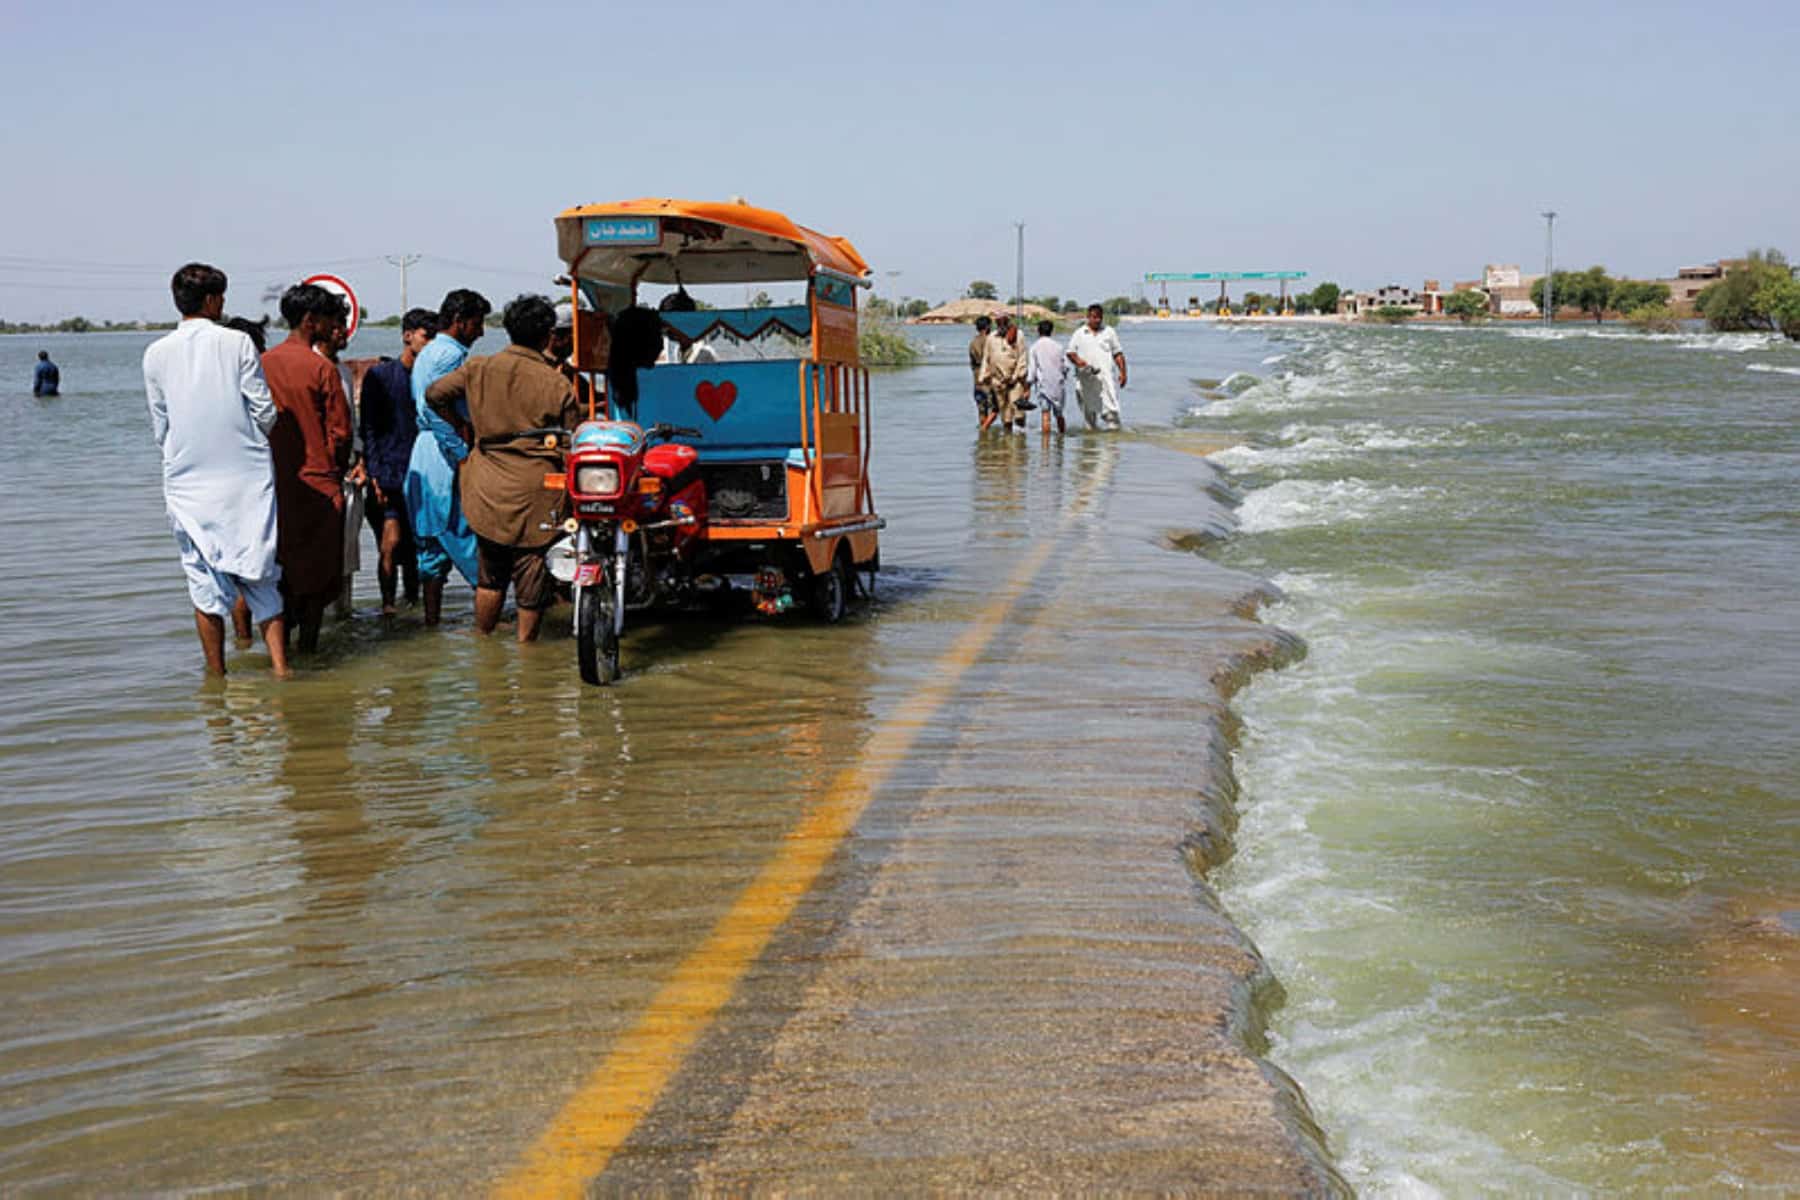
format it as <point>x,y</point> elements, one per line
<point>1519,835</point>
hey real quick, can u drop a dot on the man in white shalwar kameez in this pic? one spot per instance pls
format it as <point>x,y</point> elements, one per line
<point>211,413</point>
<point>1099,362</point>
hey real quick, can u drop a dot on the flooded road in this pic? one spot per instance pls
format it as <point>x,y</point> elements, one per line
<point>913,902</point>
<point>383,926</point>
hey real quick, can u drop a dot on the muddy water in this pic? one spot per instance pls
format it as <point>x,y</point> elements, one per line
<point>372,927</point>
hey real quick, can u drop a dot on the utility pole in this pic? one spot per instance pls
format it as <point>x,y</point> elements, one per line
<point>1549,216</point>
<point>1019,285</point>
<point>403,261</point>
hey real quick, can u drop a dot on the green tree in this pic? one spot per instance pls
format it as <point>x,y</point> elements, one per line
<point>1325,297</point>
<point>1780,299</point>
<point>1629,295</point>
<point>981,289</point>
<point>1743,299</point>
<point>1466,305</point>
<point>1562,285</point>
<point>878,306</point>
<point>1393,314</point>
<point>1590,291</point>
<point>74,325</point>
<point>915,308</point>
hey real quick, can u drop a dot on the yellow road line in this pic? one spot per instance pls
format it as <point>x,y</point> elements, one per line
<point>620,1092</point>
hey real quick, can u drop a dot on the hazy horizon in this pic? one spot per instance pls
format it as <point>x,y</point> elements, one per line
<point>1381,144</point>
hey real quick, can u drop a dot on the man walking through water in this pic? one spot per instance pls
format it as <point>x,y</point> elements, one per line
<point>1095,351</point>
<point>439,530</point>
<point>1047,372</point>
<point>311,445</point>
<point>977,351</point>
<point>510,399</point>
<point>1003,367</point>
<point>46,380</point>
<point>211,414</point>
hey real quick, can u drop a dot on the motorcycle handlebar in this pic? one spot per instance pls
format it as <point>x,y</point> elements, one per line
<point>667,431</point>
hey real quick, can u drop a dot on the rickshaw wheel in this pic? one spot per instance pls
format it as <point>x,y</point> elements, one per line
<point>596,643</point>
<point>831,592</point>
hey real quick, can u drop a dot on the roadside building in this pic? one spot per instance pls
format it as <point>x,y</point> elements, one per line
<point>1431,299</point>
<point>1689,282</point>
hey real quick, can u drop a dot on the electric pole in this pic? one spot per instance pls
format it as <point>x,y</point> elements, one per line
<point>403,261</point>
<point>1019,284</point>
<point>1549,216</point>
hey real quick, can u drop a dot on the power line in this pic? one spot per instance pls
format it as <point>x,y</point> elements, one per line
<point>547,273</point>
<point>402,261</point>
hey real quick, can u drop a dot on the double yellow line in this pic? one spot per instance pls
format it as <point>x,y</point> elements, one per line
<point>620,1092</point>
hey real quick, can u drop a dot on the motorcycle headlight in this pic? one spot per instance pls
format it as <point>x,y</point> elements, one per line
<point>560,558</point>
<point>597,479</point>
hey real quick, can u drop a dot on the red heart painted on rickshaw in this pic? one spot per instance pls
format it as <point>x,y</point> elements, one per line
<point>716,398</point>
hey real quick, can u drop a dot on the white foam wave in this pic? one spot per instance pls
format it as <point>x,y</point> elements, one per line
<point>1274,358</point>
<point>1300,503</point>
<point>1770,368</point>
<point>1729,343</point>
<point>1302,443</point>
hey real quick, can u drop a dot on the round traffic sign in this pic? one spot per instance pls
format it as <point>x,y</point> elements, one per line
<point>332,283</point>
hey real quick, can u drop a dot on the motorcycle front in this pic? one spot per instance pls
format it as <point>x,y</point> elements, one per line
<point>603,552</point>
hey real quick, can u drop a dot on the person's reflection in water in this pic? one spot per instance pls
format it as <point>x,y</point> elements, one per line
<point>341,852</point>
<point>1000,465</point>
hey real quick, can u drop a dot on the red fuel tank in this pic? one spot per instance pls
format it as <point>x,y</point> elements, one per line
<point>669,459</point>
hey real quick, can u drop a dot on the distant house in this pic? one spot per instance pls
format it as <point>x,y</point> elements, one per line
<point>1506,276</point>
<point>1689,282</point>
<point>1356,304</point>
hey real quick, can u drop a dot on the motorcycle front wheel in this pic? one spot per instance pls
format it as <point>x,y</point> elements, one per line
<point>596,635</point>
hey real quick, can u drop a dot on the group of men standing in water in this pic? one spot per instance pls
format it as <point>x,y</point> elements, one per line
<point>1011,379</point>
<point>269,468</point>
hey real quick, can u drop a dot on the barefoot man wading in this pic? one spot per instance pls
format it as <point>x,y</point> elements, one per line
<point>1096,354</point>
<point>211,413</point>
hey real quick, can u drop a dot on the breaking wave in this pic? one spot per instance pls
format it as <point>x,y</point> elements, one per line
<point>1303,503</point>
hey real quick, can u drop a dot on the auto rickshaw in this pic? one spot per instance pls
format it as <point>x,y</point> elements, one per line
<point>737,456</point>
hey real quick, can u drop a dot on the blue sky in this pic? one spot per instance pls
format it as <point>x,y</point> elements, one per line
<point>1367,143</point>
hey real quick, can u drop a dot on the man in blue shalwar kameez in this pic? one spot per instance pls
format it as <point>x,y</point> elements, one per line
<point>442,536</point>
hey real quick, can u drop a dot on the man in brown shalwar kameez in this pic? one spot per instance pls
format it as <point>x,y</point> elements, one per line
<point>514,516</point>
<point>1003,369</point>
<point>310,445</point>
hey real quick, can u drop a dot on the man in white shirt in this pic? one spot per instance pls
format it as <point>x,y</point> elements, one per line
<point>210,412</point>
<point>1097,355</point>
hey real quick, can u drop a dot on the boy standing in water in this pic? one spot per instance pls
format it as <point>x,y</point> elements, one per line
<point>211,414</point>
<point>311,445</point>
<point>389,429</point>
<point>46,380</point>
<point>1049,366</point>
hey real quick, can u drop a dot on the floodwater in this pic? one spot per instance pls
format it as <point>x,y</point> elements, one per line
<point>1517,830</point>
<point>1519,835</point>
<point>373,927</point>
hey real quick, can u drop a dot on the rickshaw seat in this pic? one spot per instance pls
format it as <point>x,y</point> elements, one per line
<point>745,411</point>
